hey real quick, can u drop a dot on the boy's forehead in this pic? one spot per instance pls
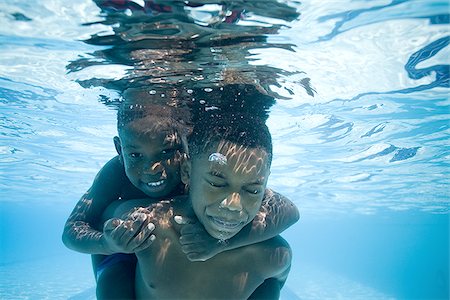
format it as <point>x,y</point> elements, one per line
<point>242,159</point>
<point>137,130</point>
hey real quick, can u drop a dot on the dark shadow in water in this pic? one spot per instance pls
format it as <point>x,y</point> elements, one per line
<point>193,45</point>
<point>192,63</point>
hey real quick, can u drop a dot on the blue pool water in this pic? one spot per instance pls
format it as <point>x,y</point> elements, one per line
<point>363,150</point>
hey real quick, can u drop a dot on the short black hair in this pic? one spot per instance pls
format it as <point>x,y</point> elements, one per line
<point>153,118</point>
<point>215,126</point>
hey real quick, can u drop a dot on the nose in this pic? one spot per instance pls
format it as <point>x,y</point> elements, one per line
<point>232,202</point>
<point>154,168</point>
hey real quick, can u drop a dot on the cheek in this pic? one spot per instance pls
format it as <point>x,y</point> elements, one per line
<point>209,192</point>
<point>201,194</point>
<point>172,167</point>
<point>131,167</point>
<point>253,206</point>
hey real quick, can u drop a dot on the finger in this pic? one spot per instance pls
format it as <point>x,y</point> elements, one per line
<point>182,220</point>
<point>190,238</point>
<point>111,224</point>
<point>132,228</point>
<point>192,248</point>
<point>147,242</point>
<point>196,257</point>
<point>138,212</point>
<point>118,231</point>
<point>137,215</point>
<point>192,228</point>
<point>141,236</point>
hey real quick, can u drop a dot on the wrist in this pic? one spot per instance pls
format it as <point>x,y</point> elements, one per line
<point>105,247</point>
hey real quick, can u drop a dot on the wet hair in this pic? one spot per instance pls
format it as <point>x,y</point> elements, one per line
<point>242,129</point>
<point>146,118</point>
<point>242,98</point>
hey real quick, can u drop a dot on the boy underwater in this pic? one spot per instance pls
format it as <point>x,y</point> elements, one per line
<point>151,144</point>
<point>227,172</point>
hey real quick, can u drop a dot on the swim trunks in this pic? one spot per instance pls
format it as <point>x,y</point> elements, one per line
<point>113,259</point>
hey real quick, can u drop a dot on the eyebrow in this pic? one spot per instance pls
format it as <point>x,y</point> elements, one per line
<point>216,173</point>
<point>256,182</point>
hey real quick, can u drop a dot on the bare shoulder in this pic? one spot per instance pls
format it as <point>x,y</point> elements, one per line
<point>113,167</point>
<point>146,205</point>
<point>272,256</point>
<point>272,197</point>
<point>109,181</point>
<point>280,208</point>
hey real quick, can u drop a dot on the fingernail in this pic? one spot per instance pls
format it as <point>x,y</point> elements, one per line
<point>150,226</point>
<point>117,222</point>
<point>178,219</point>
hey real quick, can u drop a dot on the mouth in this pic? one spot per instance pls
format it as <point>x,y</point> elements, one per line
<point>154,184</point>
<point>225,225</point>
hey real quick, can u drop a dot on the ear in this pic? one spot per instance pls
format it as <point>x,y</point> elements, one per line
<point>118,145</point>
<point>185,169</point>
<point>184,144</point>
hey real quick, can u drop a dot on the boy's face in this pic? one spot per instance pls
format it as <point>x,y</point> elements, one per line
<point>227,186</point>
<point>151,160</point>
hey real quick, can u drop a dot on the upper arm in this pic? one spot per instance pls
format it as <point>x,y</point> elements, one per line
<point>279,212</point>
<point>274,259</point>
<point>276,214</point>
<point>105,189</point>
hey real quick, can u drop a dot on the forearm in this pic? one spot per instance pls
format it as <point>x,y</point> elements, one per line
<point>83,231</point>
<point>81,237</point>
<point>276,215</point>
<point>254,232</point>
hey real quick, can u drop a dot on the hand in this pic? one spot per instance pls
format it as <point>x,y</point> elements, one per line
<point>196,242</point>
<point>130,235</point>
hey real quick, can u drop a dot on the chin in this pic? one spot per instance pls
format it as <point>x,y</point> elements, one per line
<point>222,235</point>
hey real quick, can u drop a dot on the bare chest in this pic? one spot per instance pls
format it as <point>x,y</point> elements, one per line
<point>166,273</point>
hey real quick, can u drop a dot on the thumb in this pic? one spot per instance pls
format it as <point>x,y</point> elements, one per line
<point>182,220</point>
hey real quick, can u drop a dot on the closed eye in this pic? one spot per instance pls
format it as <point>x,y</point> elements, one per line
<point>215,184</point>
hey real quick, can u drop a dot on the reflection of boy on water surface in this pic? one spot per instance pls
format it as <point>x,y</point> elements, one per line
<point>227,174</point>
<point>150,147</point>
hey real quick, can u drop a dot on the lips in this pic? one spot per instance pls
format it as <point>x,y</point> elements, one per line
<point>225,225</point>
<point>155,186</point>
<point>155,183</point>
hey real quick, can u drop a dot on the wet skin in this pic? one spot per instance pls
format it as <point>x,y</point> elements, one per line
<point>228,194</point>
<point>151,160</point>
<point>224,197</point>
